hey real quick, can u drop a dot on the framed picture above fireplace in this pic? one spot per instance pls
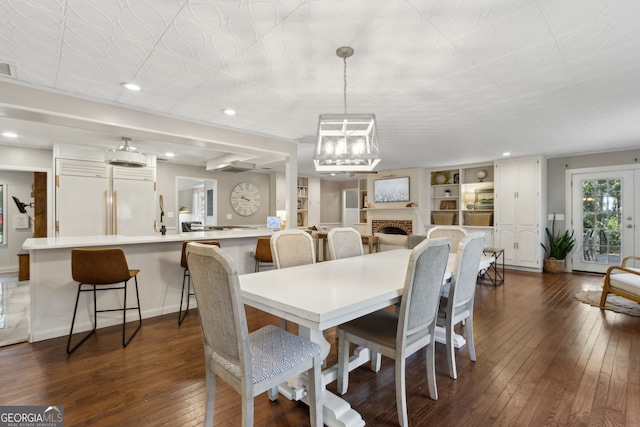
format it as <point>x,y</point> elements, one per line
<point>391,190</point>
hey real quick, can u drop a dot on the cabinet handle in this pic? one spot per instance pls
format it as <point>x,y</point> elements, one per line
<point>115,212</point>
<point>106,212</point>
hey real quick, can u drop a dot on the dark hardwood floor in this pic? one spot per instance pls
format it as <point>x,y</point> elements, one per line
<point>544,358</point>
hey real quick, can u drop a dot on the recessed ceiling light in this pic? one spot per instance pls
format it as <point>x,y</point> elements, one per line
<point>130,86</point>
<point>229,112</point>
<point>506,154</point>
<point>169,154</point>
<point>8,134</point>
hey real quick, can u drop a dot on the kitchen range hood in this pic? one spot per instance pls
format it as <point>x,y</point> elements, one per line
<point>125,155</point>
<point>234,166</point>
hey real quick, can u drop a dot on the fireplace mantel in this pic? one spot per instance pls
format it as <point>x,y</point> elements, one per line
<point>393,215</point>
<point>388,210</point>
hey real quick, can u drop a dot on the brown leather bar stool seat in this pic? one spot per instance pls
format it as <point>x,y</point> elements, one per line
<point>186,278</point>
<point>103,270</point>
<point>263,252</point>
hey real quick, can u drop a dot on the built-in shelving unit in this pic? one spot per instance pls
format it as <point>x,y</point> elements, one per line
<point>362,200</point>
<point>477,193</point>
<point>445,197</point>
<point>303,201</point>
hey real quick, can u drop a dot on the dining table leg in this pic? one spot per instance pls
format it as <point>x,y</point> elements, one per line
<point>337,412</point>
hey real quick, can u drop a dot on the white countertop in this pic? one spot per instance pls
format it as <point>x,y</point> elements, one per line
<point>87,241</point>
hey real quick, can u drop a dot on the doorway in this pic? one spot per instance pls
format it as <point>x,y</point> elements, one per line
<point>604,206</point>
<point>197,200</point>
<point>350,207</point>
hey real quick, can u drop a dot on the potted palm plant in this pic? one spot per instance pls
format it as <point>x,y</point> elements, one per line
<point>557,248</point>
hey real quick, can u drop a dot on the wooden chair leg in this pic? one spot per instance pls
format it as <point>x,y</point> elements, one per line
<point>401,392</point>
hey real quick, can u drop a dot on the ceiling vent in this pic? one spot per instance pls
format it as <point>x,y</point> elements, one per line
<point>234,166</point>
<point>7,69</point>
<point>125,155</point>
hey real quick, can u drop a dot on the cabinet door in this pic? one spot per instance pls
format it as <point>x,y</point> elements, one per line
<point>528,249</point>
<point>134,207</point>
<point>82,206</point>
<point>528,193</point>
<point>506,239</point>
<point>506,191</point>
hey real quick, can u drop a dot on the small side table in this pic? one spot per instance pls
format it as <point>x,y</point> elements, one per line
<point>372,241</point>
<point>494,274</point>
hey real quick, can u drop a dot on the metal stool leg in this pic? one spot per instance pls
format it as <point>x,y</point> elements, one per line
<point>124,316</point>
<point>73,320</point>
<point>186,278</point>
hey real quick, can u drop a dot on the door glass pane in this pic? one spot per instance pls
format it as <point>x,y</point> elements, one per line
<point>1,216</point>
<point>601,220</point>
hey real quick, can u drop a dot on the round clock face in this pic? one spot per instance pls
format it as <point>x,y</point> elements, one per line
<point>245,199</point>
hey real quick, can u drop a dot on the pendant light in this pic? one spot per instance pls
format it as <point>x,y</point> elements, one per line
<point>125,155</point>
<point>346,142</point>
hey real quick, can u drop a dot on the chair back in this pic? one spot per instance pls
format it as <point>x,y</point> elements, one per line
<point>465,272</point>
<point>290,248</point>
<point>421,295</point>
<point>263,250</point>
<point>344,242</point>
<point>452,232</point>
<point>222,316</point>
<point>99,266</point>
<point>183,258</point>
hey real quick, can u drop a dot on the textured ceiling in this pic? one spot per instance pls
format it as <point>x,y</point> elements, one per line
<point>450,81</point>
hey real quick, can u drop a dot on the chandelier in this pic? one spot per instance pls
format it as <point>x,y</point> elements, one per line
<point>346,142</point>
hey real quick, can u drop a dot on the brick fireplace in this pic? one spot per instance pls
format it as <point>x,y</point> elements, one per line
<point>379,225</point>
<point>401,220</point>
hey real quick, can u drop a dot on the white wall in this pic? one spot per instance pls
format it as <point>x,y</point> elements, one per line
<point>166,176</point>
<point>556,172</point>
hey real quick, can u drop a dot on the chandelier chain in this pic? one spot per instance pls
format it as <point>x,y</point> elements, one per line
<point>345,84</point>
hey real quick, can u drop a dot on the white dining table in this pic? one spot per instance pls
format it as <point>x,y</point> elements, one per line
<point>323,295</point>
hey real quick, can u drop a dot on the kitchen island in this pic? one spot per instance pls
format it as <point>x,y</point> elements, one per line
<point>53,290</point>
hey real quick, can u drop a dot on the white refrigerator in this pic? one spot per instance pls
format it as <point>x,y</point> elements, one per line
<point>94,198</point>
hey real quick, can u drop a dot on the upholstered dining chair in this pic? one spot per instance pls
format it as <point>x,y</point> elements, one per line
<point>186,279</point>
<point>344,242</point>
<point>622,280</point>
<point>290,248</point>
<point>251,363</point>
<point>103,270</point>
<point>457,306</point>
<point>452,232</point>
<point>262,254</point>
<point>399,335</point>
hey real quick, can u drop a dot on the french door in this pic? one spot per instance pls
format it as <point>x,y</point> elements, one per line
<point>350,209</point>
<point>604,209</point>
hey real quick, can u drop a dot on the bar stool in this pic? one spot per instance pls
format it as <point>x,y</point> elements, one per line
<point>101,269</point>
<point>263,252</point>
<point>186,278</point>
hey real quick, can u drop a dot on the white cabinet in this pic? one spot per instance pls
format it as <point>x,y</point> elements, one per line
<point>93,198</point>
<point>519,209</point>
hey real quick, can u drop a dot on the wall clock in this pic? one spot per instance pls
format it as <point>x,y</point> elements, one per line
<point>245,199</point>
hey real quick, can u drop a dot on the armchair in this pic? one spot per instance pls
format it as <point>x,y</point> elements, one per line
<point>622,280</point>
